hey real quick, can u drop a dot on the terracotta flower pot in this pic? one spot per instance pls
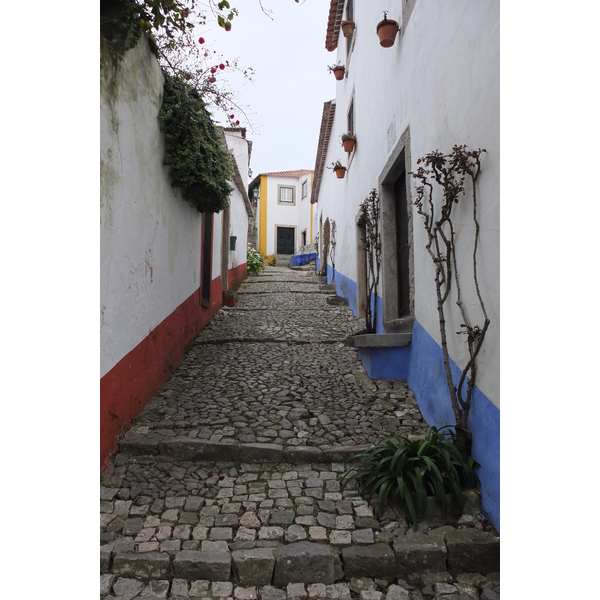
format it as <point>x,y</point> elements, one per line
<point>340,172</point>
<point>386,30</point>
<point>338,72</point>
<point>348,145</point>
<point>348,28</point>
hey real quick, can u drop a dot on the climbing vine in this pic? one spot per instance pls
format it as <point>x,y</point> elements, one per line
<point>449,172</point>
<point>369,212</point>
<point>332,244</point>
<point>196,151</point>
<point>326,239</point>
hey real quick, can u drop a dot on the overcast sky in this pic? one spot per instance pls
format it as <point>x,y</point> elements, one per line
<point>291,82</point>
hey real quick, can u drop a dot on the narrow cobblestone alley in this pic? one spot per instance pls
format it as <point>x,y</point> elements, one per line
<point>228,483</point>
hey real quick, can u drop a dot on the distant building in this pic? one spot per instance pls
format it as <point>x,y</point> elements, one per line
<point>283,211</point>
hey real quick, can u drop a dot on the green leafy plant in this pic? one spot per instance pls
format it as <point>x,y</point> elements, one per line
<point>196,151</point>
<point>348,136</point>
<point>408,471</point>
<point>254,261</point>
<point>335,165</point>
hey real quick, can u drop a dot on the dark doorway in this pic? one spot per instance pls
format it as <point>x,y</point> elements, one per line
<point>402,249</point>
<point>207,228</point>
<point>285,240</point>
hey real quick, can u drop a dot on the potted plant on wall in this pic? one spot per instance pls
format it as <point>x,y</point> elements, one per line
<point>348,141</point>
<point>337,70</point>
<point>348,27</point>
<point>338,168</point>
<point>386,30</point>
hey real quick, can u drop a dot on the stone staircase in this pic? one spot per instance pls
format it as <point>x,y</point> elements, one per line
<point>232,486</point>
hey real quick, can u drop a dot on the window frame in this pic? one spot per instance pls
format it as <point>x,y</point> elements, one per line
<point>286,202</point>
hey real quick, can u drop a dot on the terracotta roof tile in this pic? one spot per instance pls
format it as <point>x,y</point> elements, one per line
<point>297,173</point>
<point>336,10</point>
<point>324,135</point>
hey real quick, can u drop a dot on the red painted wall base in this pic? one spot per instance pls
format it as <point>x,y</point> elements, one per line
<point>138,376</point>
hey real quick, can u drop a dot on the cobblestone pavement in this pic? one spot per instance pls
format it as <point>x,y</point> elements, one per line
<point>229,484</point>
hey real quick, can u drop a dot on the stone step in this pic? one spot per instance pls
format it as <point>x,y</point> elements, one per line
<point>449,550</point>
<point>139,441</point>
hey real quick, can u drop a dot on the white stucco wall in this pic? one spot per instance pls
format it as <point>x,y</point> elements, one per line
<point>304,209</point>
<point>441,79</point>
<point>295,215</point>
<point>150,237</point>
<point>281,215</point>
<point>238,212</point>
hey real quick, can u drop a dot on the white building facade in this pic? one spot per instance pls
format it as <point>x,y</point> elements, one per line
<point>437,86</point>
<point>284,211</point>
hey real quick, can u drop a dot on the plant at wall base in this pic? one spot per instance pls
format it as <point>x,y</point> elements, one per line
<point>407,471</point>
<point>254,261</point>
<point>450,173</point>
<point>332,243</point>
<point>195,148</point>
<point>369,213</point>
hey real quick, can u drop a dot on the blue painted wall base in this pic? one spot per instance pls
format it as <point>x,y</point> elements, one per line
<point>298,260</point>
<point>422,365</point>
<point>386,363</point>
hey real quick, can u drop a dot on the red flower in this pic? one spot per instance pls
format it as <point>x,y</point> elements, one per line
<point>231,116</point>
<point>237,122</point>
<point>201,40</point>
<point>213,70</point>
<point>221,66</point>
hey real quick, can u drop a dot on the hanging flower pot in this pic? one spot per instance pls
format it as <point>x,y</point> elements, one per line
<point>348,27</point>
<point>338,168</point>
<point>348,141</point>
<point>386,30</point>
<point>338,71</point>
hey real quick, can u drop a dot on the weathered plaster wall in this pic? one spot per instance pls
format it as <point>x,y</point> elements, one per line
<point>150,237</point>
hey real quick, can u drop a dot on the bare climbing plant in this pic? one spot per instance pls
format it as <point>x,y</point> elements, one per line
<point>332,243</point>
<point>451,172</point>
<point>326,237</point>
<point>369,220</point>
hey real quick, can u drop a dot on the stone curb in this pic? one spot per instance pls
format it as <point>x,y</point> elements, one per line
<point>193,449</point>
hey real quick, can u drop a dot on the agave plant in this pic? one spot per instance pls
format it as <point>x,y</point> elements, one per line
<point>411,470</point>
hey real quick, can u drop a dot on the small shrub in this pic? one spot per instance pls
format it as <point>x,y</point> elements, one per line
<point>254,261</point>
<point>410,470</point>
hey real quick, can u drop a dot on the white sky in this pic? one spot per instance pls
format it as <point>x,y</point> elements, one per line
<point>291,80</point>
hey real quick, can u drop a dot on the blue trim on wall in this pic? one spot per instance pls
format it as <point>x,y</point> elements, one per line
<point>427,379</point>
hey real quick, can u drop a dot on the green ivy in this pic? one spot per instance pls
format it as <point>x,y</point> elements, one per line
<point>196,150</point>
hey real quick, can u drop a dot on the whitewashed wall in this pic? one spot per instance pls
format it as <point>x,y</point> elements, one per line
<point>279,214</point>
<point>304,210</point>
<point>238,212</point>
<point>441,79</point>
<point>150,237</point>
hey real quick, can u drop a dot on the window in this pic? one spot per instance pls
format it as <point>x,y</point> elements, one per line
<point>349,16</point>
<point>304,238</point>
<point>304,189</point>
<point>351,116</point>
<point>285,194</point>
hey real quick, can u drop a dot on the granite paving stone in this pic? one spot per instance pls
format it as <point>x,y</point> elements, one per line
<point>229,483</point>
